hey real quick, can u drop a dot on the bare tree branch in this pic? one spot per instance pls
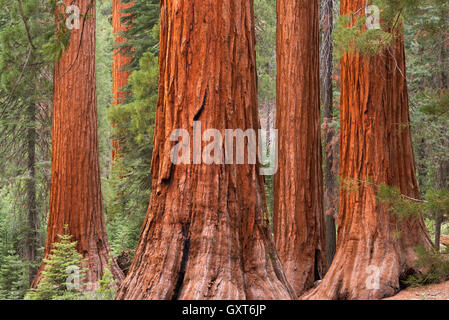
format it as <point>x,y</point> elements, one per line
<point>26,25</point>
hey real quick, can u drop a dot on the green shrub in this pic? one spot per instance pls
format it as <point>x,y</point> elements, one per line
<point>434,266</point>
<point>108,288</point>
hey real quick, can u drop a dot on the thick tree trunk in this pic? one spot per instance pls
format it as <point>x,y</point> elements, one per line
<point>32,215</point>
<point>299,227</point>
<point>120,60</point>
<point>375,148</point>
<point>206,234</point>
<point>75,192</point>
<point>330,190</point>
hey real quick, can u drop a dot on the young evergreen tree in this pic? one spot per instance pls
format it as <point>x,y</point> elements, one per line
<point>13,275</point>
<point>62,271</point>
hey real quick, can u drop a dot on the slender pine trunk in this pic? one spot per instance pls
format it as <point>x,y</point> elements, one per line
<point>330,190</point>
<point>32,214</point>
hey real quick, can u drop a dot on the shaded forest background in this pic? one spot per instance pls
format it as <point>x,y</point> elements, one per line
<point>26,110</point>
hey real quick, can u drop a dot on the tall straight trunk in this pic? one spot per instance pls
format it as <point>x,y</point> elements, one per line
<point>75,191</point>
<point>330,190</point>
<point>438,222</point>
<point>375,148</point>
<point>32,215</point>
<point>442,180</point>
<point>443,57</point>
<point>443,166</point>
<point>441,175</point>
<point>120,60</point>
<point>299,227</point>
<point>443,74</point>
<point>206,234</point>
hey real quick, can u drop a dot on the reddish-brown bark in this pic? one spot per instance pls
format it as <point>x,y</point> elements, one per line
<point>299,227</point>
<point>375,148</point>
<point>75,192</point>
<point>206,234</point>
<point>120,60</point>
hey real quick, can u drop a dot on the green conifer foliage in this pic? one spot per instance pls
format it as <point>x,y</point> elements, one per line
<point>144,35</point>
<point>13,276</point>
<point>131,176</point>
<point>63,272</point>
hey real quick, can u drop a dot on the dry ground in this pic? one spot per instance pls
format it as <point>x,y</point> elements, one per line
<point>438,291</point>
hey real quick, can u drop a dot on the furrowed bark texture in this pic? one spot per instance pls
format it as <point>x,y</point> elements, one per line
<point>120,60</point>
<point>205,235</point>
<point>299,227</point>
<point>75,192</point>
<point>375,146</point>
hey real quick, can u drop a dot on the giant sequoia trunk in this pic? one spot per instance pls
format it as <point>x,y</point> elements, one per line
<point>75,192</point>
<point>298,199</point>
<point>206,234</point>
<point>375,148</point>
<point>120,60</point>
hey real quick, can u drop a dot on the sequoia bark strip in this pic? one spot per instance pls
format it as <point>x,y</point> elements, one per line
<point>375,148</point>
<point>206,233</point>
<point>299,227</point>
<point>120,60</point>
<point>75,192</point>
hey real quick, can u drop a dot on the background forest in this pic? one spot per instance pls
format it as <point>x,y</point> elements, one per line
<point>27,54</point>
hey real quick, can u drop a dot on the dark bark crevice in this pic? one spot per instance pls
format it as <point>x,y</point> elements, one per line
<point>184,260</point>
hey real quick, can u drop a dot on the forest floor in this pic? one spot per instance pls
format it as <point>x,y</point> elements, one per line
<point>438,291</point>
